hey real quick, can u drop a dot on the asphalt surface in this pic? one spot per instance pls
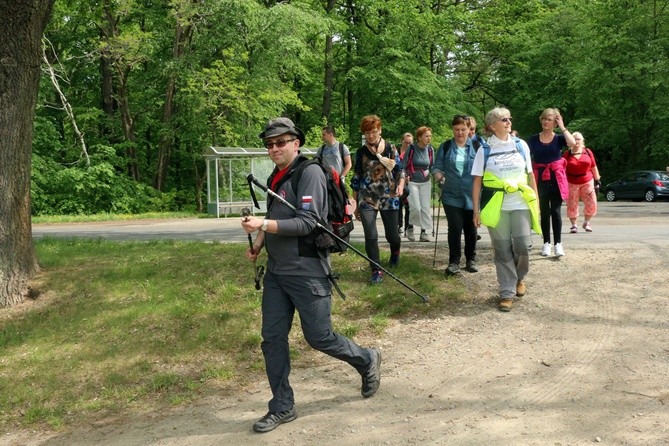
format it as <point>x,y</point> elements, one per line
<point>615,221</point>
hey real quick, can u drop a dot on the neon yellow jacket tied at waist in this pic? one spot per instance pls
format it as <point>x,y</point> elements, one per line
<point>491,212</point>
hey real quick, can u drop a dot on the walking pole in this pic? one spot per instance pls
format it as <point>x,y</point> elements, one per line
<point>251,179</point>
<point>434,256</point>
<point>259,269</point>
<point>432,203</point>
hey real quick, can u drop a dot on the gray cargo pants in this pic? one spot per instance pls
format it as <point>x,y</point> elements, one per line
<point>311,297</point>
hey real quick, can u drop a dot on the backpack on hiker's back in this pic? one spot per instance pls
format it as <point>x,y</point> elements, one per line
<point>340,210</point>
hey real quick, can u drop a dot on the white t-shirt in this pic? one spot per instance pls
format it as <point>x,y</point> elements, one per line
<point>507,166</point>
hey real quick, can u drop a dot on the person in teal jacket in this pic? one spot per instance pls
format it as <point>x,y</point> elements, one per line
<point>452,171</point>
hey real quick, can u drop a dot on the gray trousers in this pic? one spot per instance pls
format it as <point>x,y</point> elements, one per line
<point>510,239</point>
<point>310,296</point>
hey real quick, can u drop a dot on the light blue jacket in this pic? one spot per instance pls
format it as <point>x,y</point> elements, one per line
<point>457,189</point>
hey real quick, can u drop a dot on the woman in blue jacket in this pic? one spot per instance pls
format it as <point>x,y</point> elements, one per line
<point>452,170</point>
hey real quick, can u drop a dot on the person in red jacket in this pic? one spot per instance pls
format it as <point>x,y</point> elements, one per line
<point>584,182</point>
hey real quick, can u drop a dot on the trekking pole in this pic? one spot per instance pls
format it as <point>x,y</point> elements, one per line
<point>434,256</point>
<point>252,180</point>
<point>259,270</point>
<point>432,202</point>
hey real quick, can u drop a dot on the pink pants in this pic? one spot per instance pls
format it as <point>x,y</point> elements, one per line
<point>585,192</point>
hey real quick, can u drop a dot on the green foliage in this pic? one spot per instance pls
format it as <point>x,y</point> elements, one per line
<point>233,64</point>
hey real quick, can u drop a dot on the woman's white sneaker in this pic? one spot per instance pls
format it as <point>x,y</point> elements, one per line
<point>559,251</point>
<point>546,250</point>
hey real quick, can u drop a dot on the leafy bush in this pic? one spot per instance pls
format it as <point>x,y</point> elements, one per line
<point>100,188</point>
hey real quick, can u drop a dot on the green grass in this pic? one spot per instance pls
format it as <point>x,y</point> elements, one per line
<point>125,327</point>
<point>112,217</point>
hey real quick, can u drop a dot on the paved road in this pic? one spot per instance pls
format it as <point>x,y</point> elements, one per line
<point>615,221</point>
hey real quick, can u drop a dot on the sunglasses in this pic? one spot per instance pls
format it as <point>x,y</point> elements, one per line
<point>279,144</point>
<point>506,119</point>
<point>465,117</point>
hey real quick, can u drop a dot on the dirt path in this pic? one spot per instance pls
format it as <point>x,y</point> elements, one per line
<point>582,358</point>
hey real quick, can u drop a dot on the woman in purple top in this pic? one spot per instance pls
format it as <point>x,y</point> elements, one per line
<point>549,169</point>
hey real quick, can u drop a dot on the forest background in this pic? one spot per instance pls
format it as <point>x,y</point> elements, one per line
<point>133,92</point>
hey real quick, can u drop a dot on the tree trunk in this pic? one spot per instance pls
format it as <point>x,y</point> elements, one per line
<point>21,30</point>
<point>329,72</point>
<point>182,36</point>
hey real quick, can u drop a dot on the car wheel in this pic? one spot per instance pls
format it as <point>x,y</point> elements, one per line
<point>610,195</point>
<point>650,195</point>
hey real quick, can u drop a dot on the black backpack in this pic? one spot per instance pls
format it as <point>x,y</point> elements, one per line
<point>339,220</point>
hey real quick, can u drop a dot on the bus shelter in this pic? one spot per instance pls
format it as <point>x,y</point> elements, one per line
<point>227,172</point>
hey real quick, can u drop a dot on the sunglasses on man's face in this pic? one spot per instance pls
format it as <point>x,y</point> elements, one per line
<point>279,144</point>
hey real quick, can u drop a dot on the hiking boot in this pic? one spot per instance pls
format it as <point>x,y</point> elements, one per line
<point>505,304</point>
<point>471,266</point>
<point>272,420</point>
<point>410,236</point>
<point>377,277</point>
<point>424,237</point>
<point>371,379</point>
<point>559,251</point>
<point>574,229</point>
<point>520,288</point>
<point>453,268</point>
<point>395,258</point>
<point>546,250</point>
<point>587,227</point>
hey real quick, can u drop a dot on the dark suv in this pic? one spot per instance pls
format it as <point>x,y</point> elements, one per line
<point>639,185</point>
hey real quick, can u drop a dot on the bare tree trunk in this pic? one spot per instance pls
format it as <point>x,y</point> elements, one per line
<point>182,36</point>
<point>21,31</point>
<point>329,73</point>
<point>122,67</point>
<point>128,126</point>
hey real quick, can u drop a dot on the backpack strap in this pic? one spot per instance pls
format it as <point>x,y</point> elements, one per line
<point>486,151</point>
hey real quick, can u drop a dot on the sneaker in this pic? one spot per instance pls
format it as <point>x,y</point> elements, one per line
<point>453,268</point>
<point>587,227</point>
<point>559,251</point>
<point>377,277</point>
<point>424,237</point>
<point>574,229</point>
<point>505,304</point>
<point>371,379</point>
<point>410,236</point>
<point>395,258</point>
<point>546,250</point>
<point>471,266</point>
<point>272,420</point>
<point>520,288</point>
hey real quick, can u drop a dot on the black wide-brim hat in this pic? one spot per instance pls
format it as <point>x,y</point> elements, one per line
<point>281,126</point>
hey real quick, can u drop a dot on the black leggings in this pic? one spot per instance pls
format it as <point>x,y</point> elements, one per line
<point>550,206</point>
<point>390,221</point>
<point>460,220</point>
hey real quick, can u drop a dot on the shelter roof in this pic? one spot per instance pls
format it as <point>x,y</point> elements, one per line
<point>245,152</point>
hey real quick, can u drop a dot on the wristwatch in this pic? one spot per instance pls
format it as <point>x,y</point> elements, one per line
<point>264,225</point>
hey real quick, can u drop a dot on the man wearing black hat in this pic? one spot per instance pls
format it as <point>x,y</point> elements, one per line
<point>296,278</point>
